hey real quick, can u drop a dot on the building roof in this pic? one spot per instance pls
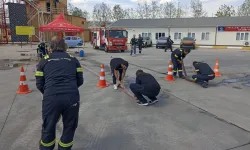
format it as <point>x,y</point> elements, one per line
<point>182,22</point>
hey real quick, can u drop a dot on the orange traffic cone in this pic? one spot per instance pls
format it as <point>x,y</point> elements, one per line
<point>23,87</point>
<point>170,76</point>
<point>216,68</point>
<point>102,82</point>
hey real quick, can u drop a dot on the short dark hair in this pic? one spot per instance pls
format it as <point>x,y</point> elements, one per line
<point>125,63</point>
<point>139,72</point>
<point>196,62</point>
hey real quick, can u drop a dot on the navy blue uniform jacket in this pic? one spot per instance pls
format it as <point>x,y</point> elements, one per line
<point>203,69</point>
<point>148,82</point>
<point>58,73</point>
<point>178,54</point>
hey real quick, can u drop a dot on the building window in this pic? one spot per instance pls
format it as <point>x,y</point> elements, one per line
<point>157,35</point>
<point>242,36</point>
<point>177,36</point>
<point>146,35</point>
<point>191,35</point>
<point>205,36</point>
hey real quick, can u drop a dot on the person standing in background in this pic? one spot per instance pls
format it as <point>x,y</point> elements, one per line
<point>133,43</point>
<point>140,42</point>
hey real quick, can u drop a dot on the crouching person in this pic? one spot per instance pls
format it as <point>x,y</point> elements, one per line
<point>203,73</point>
<point>145,85</point>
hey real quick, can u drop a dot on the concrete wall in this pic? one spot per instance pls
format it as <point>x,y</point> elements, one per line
<point>229,38</point>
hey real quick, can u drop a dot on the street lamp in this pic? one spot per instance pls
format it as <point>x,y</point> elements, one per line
<point>168,30</point>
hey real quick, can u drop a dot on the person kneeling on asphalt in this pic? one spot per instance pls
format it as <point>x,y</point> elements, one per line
<point>203,73</point>
<point>118,65</point>
<point>146,85</point>
<point>177,57</point>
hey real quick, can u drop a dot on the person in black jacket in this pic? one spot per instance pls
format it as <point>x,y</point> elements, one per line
<point>133,43</point>
<point>118,70</point>
<point>177,57</point>
<point>169,44</point>
<point>203,73</point>
<point>58,77</point>
<point>140,42</point>
<point>146,85</point>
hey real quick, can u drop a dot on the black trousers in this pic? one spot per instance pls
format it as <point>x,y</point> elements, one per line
<point>113,75</point>
<point>199,78</point>
<point>67,106</point>
<point>140,48</point>
<point>169,47</point>
<point>177,67</point>
<point>139,90</point>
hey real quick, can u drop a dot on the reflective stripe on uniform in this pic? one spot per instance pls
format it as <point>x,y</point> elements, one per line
<point>179,70</point>
<point>176,55</point>
<point>195,79</point>
<point>174,71</point>
<point>65,145</point>
<point>79,70</point>
<point>39,74</point>
<point>48,144</point>
<point>197,70</point>
<point>46,57</point>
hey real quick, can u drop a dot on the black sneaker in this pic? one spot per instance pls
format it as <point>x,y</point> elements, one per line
<point>204,85</point>
<point>142,104</point>
<point>153,101</point>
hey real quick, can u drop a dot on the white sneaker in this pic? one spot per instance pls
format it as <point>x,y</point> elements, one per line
<point>115,87</point>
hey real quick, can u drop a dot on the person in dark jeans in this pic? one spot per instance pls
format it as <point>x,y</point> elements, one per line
<point>133,43</point>
<point>169,44</point>
<point>204,73</point>
<point>140,42</point>
<point>146,85</point>
<point>118,65</point>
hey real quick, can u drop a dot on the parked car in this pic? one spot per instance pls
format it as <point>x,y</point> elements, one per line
<point>188,42</point>
<point>147,42</point>
<point>73,41</point>
<point>161,42</point>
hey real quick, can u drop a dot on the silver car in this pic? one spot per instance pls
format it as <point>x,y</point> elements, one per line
<point>147,42</point>
<point>162,42</point>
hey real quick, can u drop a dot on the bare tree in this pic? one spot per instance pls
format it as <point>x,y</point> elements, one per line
<point>75,11</point>
<point>118,13</point>
<point>244,9</point>
<point>225,10</point>
<point>130,13</point>
<point>168,10</point>
<point>140,10</point>
<point>155,10</point>
<point>197,9</point>
<point>179,11</point>
<point>102,14</point>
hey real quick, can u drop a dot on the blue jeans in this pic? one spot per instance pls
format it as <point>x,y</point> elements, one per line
<point>133,48</point>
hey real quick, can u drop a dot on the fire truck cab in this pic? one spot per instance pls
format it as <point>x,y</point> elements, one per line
<point>110,39</point>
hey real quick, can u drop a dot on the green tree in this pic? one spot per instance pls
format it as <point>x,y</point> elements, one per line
<point>225,10</point>
<point>75,11</point>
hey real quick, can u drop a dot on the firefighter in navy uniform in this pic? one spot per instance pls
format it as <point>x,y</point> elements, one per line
<point>42,50</point>
<point>177,57</point>
<point>146,85</point>
<point>203,73</point>
<point>58,77</point>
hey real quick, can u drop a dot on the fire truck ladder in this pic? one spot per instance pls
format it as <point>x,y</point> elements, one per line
<point>3,24</point>
<point>37,14</point>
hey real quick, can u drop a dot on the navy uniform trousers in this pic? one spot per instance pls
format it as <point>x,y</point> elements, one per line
<point>54,106</point>
<point>199,78</point>
<point>177,67</point>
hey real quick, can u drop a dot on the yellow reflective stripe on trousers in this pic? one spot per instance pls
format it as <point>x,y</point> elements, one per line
<point>39,73</point>
<point>179,70</point>
<point>65,145</point>
<point>46,57</point>
<point>48,144</point>
<point>195,79</point>
<point>176,55</point>
<point>79,69</point>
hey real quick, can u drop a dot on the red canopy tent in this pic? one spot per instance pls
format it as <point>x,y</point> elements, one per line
<point>60,25</point>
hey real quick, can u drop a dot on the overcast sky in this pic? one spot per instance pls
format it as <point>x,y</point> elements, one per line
<point>209,5</point>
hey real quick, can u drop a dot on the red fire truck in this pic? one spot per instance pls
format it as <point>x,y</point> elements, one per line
<point>109,39</point>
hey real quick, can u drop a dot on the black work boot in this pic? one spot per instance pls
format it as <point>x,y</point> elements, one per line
<point>204,84</point>
<point>181,76</point>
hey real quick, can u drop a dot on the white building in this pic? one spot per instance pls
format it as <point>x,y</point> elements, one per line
<point>225,31</point>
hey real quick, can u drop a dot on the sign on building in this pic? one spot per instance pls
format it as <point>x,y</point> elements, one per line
<point>233,28</point>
